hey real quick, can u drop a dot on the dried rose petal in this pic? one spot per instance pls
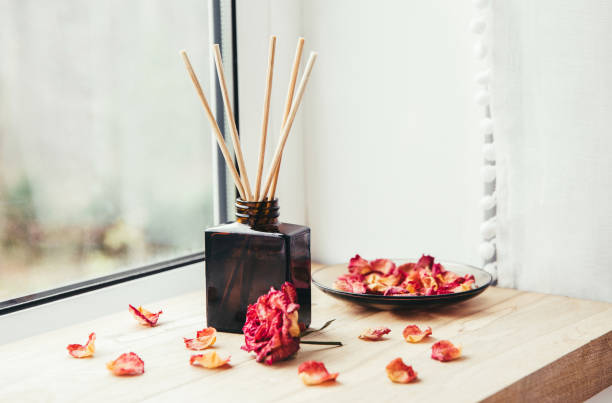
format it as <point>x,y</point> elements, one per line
<point>399,372</point>
<point>314,373</point>
<point>374,334</point>
<point>204,339</point>
<point>358,265</point>
<point>145,317</point>
<point>79,351</point>
<point>444,350</point>
<point>425,261</point>
<point>384,266</point>
<point>351,283</point>
<point>412,333</point>
<point>209,360</point>
<point>126,364</point>
<point>271,329</point>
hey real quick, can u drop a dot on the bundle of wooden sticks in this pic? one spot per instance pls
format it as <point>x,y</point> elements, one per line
<point>292,104</point>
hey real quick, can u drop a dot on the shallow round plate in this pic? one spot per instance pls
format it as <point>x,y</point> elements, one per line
<point>324,279</point>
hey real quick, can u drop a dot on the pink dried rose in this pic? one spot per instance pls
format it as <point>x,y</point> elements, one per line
<point>145,317</point>
<point>399,372</point>
<point>209,360</point>
<point>413,334</point>
<point>80,351</point>
<point>315,373</point>
<point>444,350</point>
<point>126,364</point>
<point>204,339</point>
<point>374,334</point>
<point>271,330</point>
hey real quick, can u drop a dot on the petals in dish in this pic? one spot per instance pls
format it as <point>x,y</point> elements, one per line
<point>413,334</point>
<point>204,339</point>
<point>80,351</point>
<point>374,334</point>
<point>444,350</point>
<point>145,317</point>
<point>126,364</point>
<point>315,373</point>
<point>399,372</point>
<point>209,360</point>
<point>382,277</point>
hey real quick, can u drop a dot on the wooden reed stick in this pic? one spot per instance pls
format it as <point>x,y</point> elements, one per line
<point>228,107</point>
<point>287,128</point>
<point>266,114</point>
<point>213,123</point>
<point>294,73</point>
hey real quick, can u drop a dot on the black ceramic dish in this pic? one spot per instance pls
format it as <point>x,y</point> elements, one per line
<point>324,279</point>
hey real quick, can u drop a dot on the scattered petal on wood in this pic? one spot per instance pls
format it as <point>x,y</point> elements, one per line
<point>204,339</point>
<point>399,372</point>
<point>80,351</point>
<point>374,334</point>
<point>413,334</point>
<point>209,360</point>
<point>444,350</point>
<point>126,364</point>
<point>145,317</point>
<point>315,373</point>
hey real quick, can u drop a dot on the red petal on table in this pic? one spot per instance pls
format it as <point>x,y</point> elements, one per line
<point>399,372</point>
<point>80,351</point>
<point>145,317</point>
<point>374,334</point>
<point>358,265</point>
<point>384,266</point>
<point>209,360</point>
<point>444,350</point>
<point>413,334</point>
<point>204,339</point>
<point>126,364</point>
<point>314,373</point>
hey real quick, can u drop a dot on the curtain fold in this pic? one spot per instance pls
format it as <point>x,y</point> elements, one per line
<point>552,113</point>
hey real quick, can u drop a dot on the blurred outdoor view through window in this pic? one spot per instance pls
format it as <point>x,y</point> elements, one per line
<point>105,154</point>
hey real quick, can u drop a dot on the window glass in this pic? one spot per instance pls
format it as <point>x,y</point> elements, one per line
<point>105,154</point>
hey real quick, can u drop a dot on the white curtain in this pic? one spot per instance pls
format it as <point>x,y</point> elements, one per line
<point>552,112</point>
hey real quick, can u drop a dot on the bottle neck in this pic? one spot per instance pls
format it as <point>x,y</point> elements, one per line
<point>257,214</point>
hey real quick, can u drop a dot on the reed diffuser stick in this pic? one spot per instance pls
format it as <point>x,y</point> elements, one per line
<point>266,114</point>
<point>234,130</point>
<point>294,73</point>
<point>287,128</point>
<point>213,123</point>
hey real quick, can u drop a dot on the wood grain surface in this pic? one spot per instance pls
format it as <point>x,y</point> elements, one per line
<point>517,346</point>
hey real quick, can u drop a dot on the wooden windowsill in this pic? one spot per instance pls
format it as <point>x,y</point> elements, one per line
<point>517,345</point>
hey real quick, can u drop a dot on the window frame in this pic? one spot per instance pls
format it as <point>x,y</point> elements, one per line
<point>222,22</point>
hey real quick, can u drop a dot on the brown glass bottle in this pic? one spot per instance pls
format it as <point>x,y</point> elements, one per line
<point>247,257</point>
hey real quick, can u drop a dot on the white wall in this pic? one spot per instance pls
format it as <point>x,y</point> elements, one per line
<point>385,157</point>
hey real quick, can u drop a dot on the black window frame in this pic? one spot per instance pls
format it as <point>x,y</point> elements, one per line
<point>222,13</point>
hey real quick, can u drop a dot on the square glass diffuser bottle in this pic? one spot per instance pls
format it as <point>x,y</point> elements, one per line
<point>246,257</point>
